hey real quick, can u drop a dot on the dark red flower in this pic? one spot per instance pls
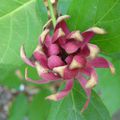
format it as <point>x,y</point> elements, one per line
<point>67,56</point>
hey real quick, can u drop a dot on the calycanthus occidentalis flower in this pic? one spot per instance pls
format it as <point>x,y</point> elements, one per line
<point>67,56</point>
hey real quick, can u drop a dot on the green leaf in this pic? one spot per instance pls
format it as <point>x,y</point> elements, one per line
<point>39,107</point>
<point>21,23</point>
<point>11,80</point>
<point>88,13</point>
<point>63,6</point>
<point>19,108</point>
<point>8,6</point>
<point>69,108</point>
<point>109,87</point>
<point>103,13</point>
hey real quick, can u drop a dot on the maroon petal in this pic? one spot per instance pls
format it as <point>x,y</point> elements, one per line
<point>54,61</point>
<point>43,36</point>
<point>87,35</point>
<point>65,72</point>
<point>62,41</point>
<point>83,83</point>
<point>41,58</point>
<point>48,41</point>
<point>86,71</point>
<point>40,69</point>
<point>71,47</point>
<point>97,30</point>
<point>89,71</point>
<point>42,81</point>
<point>53,49</point>
<point>63,93</point>
<point>24,58</point>
<point>70,74</point>
<point>78,62</point>
<point>60,70</point>
<point>85,51</point>
<point>101,62</point>
<point>94,51</point>
<point>93,79</point>
<point>69,59</point>
<point>61,24</point>
<point>58,34</point>
<point>75,35</point>
<point>50,76</point>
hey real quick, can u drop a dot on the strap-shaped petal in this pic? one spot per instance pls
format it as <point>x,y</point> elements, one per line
<point>61,24</point>
<point>63,93</point>
<point>70,74</point>
<point>101,62</point>
<point>93,79</point>
<point>62,18</point>
<point>53,49</point>
<point>85,51</point>
<point>97,30</point>
<point>94,51</point>
<point>48,40</point>
<point>60,70</point>
<point>50,76</point>
<point>54,61</point>
<point>43,36</point>
<point>69,59</point>
<point>24,57</point>
<point>83,83</point>
<point>41,81</point>
<point>71,47</point>
<point>91,73</point>
<point>58,34</point>
<point>78,62</point>
<point>41,58</point>
<point>89,34</point>
<point>65,72</point>
<point>87,37</point>
<point>40,69</point>
<point>75,35</point>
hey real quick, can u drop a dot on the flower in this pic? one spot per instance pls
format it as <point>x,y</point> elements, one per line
<point>67,56</point>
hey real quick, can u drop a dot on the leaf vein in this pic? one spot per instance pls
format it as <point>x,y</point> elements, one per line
<point>109,10</point>
<point>91,103</point>
<point>17,9</point>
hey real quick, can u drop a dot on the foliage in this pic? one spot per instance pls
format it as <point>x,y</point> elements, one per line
<point>21,22</point>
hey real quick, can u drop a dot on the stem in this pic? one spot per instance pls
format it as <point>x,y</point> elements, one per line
<point>52,13</point>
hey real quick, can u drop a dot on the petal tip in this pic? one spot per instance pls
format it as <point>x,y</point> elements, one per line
<point>24,57</point>
<point>77,36</point>
<point>22,51</point>
<point>43,35</point>
<point>51,97</point>
<point>40,69</point>
<point>61,18</point>
<point>90,84</point>
<point>26,73</point>
<point>74,64</point>
<point>97,30</point>
<point>112,68</point>
<point>94,50</point>
<point>60,70</point>
<point>61,32</point>
<point>47,24</point>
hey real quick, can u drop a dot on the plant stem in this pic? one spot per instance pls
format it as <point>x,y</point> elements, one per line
<point>52,13</point>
